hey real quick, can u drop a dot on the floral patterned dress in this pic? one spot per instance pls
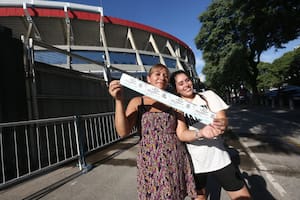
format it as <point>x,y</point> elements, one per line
<point>164,168</point>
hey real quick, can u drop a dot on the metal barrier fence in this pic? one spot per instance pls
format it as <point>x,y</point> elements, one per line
<point>29,148</point>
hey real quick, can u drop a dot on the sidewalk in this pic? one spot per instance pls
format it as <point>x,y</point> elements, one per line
<point>114,177</point>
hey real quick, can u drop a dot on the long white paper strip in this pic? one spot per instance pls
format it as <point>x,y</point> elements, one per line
<point>195,111</point>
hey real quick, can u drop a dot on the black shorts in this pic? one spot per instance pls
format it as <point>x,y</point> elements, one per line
<point>228,177</point>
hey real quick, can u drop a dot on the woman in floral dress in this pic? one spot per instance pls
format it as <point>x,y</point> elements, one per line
<point>164,168</point>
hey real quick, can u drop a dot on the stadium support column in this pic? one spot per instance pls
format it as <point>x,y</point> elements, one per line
<point>69,36</point>
<point>133,45</point>
<point>103,39</point>
<point>28,60</point>
<point>154,45</point>
<point>31,25</point>
<point>27,82</point>
<point>174,54</point>
<point>178,55</point>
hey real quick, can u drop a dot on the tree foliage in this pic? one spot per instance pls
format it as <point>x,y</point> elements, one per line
<point>267,76</point>
<point>284,70</point>
<point>234,33</point>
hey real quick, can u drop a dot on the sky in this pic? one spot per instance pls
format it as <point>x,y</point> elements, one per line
<point>176,17</point>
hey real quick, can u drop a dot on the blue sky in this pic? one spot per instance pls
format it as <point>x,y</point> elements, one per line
<point>176,17</point>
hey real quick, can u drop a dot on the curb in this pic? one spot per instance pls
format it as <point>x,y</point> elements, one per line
<point>263,171</point>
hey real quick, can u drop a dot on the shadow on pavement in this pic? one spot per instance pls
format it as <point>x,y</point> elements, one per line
<point>257,187</point>
<point>271,130</point>
<point>256,183</point>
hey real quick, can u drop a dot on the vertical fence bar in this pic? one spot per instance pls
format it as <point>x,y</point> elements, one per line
<point>77,143</point>
<point>56,145</point>
<point>112,128</point>
<point>85,166</point>
<point>38,146</point>
<point>48,144</point>
<point>70,138</point>
<point>103,131</point>
<point>27,150</point>
<point>64,141</point>
<point>86,134</point>
<point>100,130</point>
<point>16,153</point>
<point>91,131</point>
<point>111,125</point>
<point>80,136</point>
<point>96,131</point>
<point>107,129</point>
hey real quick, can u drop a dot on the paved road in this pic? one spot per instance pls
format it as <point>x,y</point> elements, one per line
<point>114,168</point>
<point>272,139</point>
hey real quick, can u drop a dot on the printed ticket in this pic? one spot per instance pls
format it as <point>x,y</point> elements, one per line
<point>195,111</point>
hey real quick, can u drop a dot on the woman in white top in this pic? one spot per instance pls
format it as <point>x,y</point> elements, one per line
<point>209,156</point>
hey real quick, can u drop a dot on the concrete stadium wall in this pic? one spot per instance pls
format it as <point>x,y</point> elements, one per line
<point>63,92</point>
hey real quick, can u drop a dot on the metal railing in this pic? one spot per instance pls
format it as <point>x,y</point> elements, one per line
<point>29,148</point>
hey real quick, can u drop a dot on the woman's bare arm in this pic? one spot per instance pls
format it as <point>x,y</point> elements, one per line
<point>186,135</point>
<point>124,120</point>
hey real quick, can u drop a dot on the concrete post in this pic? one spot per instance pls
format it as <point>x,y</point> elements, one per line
<point>291,103</point>
<point>273,102</point>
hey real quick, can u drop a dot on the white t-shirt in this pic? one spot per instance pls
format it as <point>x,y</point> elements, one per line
<point>208,154</point>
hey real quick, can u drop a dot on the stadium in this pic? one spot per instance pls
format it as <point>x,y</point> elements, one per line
<point>56,61</point>
<point>66,39</point>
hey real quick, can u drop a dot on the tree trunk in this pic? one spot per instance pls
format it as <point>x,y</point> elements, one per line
<point>253,80</point>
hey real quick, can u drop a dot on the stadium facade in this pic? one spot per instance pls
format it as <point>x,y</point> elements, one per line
<point>61,42</point>
<point>84,30</point>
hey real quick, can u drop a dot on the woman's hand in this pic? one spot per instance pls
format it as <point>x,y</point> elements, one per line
<point>115,89</point>
<point>209,131</point>
<point>220,124</point>
<point>216,128</point>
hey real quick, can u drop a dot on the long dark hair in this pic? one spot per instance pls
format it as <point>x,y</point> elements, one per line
<point>173,76</point>
<point>173,84</point>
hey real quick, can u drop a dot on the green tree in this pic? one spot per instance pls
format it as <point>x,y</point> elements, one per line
<point>267,77</point>
<point>285,69</point>
<point>292,75</point>
<point>254,25</point>
<point>229,75</point>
